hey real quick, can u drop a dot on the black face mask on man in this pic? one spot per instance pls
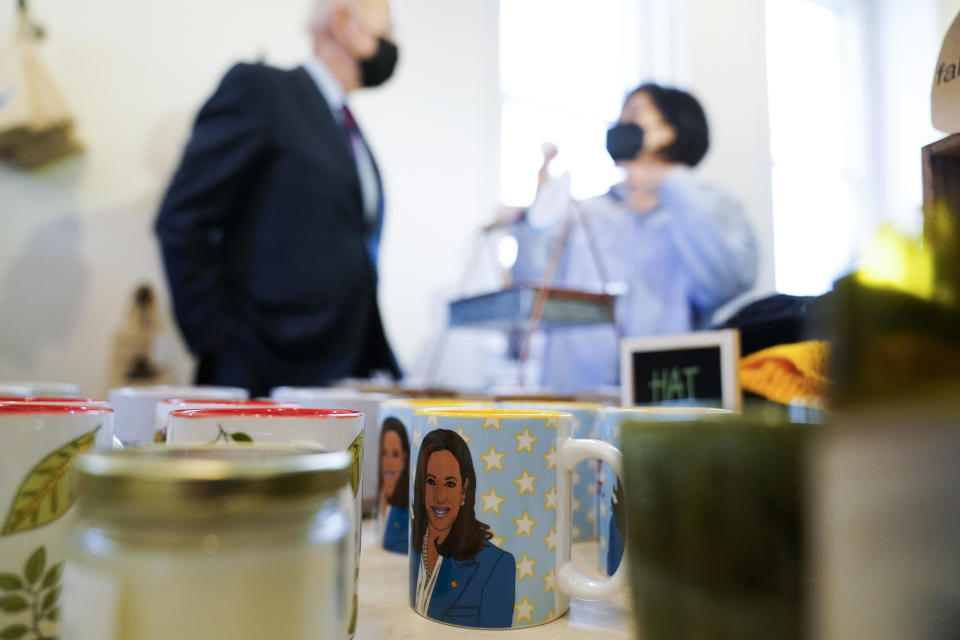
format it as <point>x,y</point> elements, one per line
<point>378,68</point>
<point>624,141</point>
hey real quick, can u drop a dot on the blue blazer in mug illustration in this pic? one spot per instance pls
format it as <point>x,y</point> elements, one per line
<point>478,592</point>
<point>395,529</point>
<point>615,543</point>
<point>618,524</point>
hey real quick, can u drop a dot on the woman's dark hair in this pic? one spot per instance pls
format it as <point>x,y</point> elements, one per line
<point>467,534</point>
<point>401,493</point>
<point>685,114</point>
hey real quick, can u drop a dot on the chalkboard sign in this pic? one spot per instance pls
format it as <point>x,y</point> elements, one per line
<point>693,368</point>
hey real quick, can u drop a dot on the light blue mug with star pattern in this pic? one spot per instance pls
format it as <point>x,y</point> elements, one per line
<point>586,424</point>
<point>491,516</point>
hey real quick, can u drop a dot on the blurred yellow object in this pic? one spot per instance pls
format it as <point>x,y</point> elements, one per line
<point>787,372</point>
<point>895,261</point>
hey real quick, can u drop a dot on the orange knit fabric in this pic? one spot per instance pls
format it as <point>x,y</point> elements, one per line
<point>787,371</point>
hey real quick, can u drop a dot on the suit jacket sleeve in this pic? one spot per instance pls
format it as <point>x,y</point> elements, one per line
<point>496,605</point>
<point>203,201</point>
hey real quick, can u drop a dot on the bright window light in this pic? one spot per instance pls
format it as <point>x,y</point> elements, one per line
<point>815,202</point>
<point>565,67</point>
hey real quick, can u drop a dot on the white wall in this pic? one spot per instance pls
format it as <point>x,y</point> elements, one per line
<point>948,11</point>
<point>905,39</point>
<point>435,130</point>
<point>77,237</point>
<point>726,66</point>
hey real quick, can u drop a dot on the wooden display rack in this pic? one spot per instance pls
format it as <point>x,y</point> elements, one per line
<point>534,307</point>
<point>941,212</point>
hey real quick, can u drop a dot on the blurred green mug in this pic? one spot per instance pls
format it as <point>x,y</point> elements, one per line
<point>716,536</point>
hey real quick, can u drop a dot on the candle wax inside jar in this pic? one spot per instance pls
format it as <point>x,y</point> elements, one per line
<point>247,594</point>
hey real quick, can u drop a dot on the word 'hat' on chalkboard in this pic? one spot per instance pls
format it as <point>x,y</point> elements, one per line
<point>693,368</point>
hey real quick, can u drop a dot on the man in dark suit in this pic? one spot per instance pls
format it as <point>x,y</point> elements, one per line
<point>271,225</point>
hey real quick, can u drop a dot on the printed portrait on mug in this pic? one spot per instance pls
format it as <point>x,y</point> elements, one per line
<point>457,575</point>
<point>394,484</point>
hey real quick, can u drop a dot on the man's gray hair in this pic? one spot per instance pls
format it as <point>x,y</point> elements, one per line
<point>320,11</point>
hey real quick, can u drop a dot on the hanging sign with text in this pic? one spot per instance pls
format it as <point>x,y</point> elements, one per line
<point>945,98</point>
<point>693,368</point>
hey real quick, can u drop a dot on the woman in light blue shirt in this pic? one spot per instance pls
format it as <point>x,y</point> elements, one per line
<point>674,248</point>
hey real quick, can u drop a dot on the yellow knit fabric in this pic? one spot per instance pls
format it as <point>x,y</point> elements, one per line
<point>787,371</point>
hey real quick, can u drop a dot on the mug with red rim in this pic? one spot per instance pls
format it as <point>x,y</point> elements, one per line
<point>346,398</point>
<point>165,407</point>
<point>40,441</point>
<point>136,406</point>
<point>323,429</point>
<point>88,402</point>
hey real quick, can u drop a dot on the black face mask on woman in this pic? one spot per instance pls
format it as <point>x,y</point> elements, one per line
<point>378,68</point>
<point>624,141</point>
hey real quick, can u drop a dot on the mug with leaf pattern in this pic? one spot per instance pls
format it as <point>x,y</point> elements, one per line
<point>39,443</point>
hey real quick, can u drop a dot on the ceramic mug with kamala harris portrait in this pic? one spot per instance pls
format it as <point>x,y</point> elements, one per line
<point>611,517</point>
<point>491,520</point>
<point>393,477</point>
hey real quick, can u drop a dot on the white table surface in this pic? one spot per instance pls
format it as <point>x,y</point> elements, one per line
<point>385,606</point>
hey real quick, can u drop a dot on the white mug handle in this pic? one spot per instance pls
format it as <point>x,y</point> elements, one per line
<point>116,443</point>
<point>571,581</point>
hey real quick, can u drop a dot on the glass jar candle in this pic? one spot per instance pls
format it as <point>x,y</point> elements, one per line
<point>237,543</point>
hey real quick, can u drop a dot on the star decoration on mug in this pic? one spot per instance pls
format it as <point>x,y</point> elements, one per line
<point>493,459</point>
<point>576,504</point>
<point>603,509</point>
<point>551,423</point>
<point>416,437</point>
<point>603,542</point>
<point>525,441</point>
<point>550,581</point>
<point>551,457</point>
<point>551,498</point>
<point>591,516</point>
<point>492,501</point>
<point>524,610</point>
<point>551,539</point>
<point>525,483</point>
<point>525,567</point>
<point>496,540</point>
<point>465,437</point>
<point>525,525</point>
<point>433,422</point>
<point>492,423</point>
<point>575,477</point>
<point>550,615</point>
